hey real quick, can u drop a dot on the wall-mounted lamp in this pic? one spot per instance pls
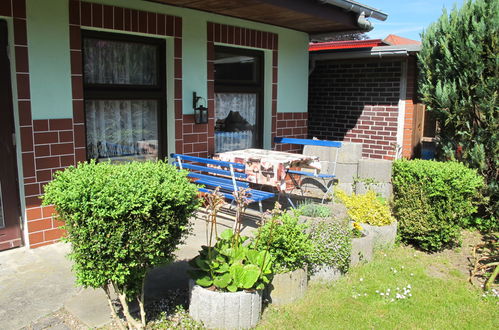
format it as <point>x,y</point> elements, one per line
<point>200,112</point>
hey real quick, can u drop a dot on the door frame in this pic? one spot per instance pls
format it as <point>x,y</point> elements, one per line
<point>12,230</point>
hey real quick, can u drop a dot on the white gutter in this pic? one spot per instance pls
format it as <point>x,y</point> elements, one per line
<point>358,8</point>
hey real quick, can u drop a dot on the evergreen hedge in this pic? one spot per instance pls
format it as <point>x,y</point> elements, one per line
<point>459,64</point>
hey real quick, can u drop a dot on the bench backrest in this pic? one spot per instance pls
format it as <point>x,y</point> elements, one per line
<point>199,165</point>
<point>315,143</point>
<point>310,142</point>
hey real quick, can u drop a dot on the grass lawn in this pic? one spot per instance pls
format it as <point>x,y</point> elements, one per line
<point>441,297</point>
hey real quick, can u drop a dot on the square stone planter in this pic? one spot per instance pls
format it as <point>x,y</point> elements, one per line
<point>362,249</point>
<point>225,310</point>
<point>287,287</point>
<point>384,236</point>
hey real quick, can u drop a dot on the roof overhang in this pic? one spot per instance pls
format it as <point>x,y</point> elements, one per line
<point>379,51</point>
<point>310,16</point>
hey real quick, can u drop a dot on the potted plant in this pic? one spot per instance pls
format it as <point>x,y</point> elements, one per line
<point>289,245</point>
<point>362,244</point>
<point>374,214</point>
<point>330,256</point>
<point>228,279</point>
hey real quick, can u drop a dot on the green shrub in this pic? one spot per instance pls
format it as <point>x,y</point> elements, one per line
<point>121,220</point>
<point>366,208</point>
<point>231,265</point>
<point>286,240</point>
<point>315,210</point>
<point>332,244</point>
<point>432,201</point>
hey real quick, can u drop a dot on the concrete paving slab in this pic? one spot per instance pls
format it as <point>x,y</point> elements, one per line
<point>90,306</point>
<point>35,283</point>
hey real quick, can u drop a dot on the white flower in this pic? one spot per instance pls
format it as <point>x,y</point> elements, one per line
<point>361,279</point>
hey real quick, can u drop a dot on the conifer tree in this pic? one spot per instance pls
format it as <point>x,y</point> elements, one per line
<point>459,82</point>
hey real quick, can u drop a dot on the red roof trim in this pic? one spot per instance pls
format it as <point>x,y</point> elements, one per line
<point>332,45</point>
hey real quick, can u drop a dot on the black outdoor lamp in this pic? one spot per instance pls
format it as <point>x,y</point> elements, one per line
<point>200,112</point>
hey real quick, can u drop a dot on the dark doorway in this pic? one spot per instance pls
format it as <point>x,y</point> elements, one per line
<point>10,212</point>
<point>238,99</point>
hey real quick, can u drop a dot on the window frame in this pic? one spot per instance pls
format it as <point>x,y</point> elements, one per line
<point>131,92</point>
<point>258,86</point>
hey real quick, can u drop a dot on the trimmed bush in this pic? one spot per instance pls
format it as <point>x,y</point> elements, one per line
<point>433,200</point>
<point>121,220</point>
<point>366,208</point>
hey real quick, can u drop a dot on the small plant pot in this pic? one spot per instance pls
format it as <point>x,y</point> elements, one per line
<point>323,273</point>
<point>384,236</point>
<point>287,287</point>
<point>225,310</point>
<point>362,249</point>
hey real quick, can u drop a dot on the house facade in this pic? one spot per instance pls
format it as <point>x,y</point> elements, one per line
<point>138,80</point>
<point>364,91</point>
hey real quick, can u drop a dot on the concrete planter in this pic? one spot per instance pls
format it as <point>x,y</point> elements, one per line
<point>384,236</point>
<point>287,287</point>
<point>225,310</point>
<point>362,249</point>
<point>323,273</point>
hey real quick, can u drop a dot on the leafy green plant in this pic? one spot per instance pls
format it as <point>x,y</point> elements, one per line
<point>232,266</point>
<point>366,208</point>
<point>315,210</point>
<point>286,240</point>
<point>459,77</point>
<point>122,220</point>
<point>331,246</point>
<point>432,201</point>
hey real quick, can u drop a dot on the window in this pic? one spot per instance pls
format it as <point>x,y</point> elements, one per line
<point>124,91</point>
<point>238,99</point>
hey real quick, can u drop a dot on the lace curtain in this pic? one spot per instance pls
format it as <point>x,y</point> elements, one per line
<point>119,63</point>
<point>122,128</point>
<point>245,104</point>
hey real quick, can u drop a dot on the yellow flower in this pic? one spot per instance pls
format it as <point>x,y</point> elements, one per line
<point>357,226</point>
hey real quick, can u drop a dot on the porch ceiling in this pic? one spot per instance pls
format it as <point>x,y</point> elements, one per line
<point>309,16</point>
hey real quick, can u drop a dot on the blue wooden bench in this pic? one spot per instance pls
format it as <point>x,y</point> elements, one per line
<point>226,175</point>
<point>312,174</point>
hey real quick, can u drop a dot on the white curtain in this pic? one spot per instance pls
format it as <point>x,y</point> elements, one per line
<point>122,128</point>
<point>119,63</point>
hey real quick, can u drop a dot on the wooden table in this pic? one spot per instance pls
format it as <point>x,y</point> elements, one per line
<point>268,167</point>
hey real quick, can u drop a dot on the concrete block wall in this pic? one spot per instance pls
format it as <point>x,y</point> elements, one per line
<point>356,101</point>
<point>351,165</point>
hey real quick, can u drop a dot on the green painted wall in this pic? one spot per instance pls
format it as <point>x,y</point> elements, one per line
<point>49,62</point>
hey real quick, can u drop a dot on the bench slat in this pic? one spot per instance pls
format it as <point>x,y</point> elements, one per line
<point>319,175</point>
<point>323,143</point>
<point>211,170</point>
<point>209,161</point>
<point>215,180</point>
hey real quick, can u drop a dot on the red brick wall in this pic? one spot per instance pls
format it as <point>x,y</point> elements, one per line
<point>410,100</point>
<point>356,101</point>
<point>293,125</point>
